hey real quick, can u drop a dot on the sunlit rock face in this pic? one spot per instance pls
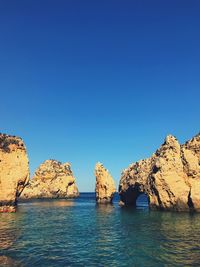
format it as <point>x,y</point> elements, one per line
<point>14,171</point>
<point>52,180</point>
<point>105,186</point>
<point>170,177</point>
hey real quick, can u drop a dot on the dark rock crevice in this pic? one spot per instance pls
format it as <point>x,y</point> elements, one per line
<point>190,202</point>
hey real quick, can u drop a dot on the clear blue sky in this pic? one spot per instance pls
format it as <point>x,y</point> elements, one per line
<point>87,81</point>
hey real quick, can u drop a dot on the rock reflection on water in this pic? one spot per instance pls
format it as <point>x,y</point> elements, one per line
<point>104,209</point>
<point>181,233</point>
<point>49,203</point>
<point>9,231</point>
<point>167,238</point>
<point>9,262</point>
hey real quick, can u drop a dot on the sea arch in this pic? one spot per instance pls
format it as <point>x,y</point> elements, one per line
<point>132,194</point>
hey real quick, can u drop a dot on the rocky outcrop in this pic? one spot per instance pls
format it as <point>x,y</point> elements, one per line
<point>51,180</point>
<point>105,186</point>
<point>170,177</point>
<point>14,171</point>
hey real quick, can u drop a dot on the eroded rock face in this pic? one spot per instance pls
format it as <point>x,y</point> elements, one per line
<point>51,180</point>
<point>105,186</point>
<point>14,171</point>
<point>170,177</point>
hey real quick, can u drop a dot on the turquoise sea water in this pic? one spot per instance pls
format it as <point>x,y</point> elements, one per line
<point>80,233</point>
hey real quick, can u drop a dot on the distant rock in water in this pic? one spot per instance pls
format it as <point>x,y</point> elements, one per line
<point>52,180</point>
<point>14,171</point>
<point>105,186</point>
<point>170,177</point>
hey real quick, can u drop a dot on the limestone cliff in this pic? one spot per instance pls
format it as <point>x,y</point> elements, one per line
<point>14,171</point>
<point>105,186</point>
<point>52,180</point>
<point>170,177</point>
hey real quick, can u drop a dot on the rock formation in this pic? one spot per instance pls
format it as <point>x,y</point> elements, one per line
<point>51,180</point>
<point>14,171</point>
<point>170,177</point>
<point>105,186</point>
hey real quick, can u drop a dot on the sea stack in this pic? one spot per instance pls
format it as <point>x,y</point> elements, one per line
<point>52,180</point>
<point>105,186</point>
<point>14,171</point>
<point>170,177</point>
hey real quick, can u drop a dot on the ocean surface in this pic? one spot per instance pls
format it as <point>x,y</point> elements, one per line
<point>80,233</point>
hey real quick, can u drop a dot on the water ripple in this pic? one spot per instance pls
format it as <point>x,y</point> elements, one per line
<point>79,233</point>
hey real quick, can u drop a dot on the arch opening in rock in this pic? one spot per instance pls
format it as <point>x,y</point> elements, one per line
<point>134,196</point>
<point>142,201</point>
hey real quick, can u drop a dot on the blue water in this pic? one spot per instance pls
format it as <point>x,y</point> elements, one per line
<point>80,233</point>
